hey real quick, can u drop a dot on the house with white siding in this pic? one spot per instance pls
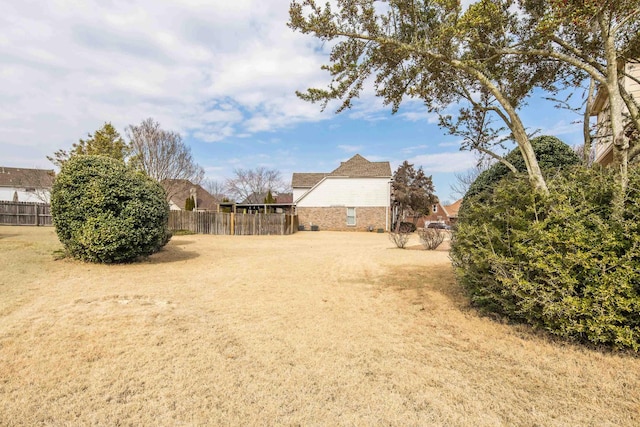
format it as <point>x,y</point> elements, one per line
<point>26,185</point>
<point>355,196</point>
<point>600,109</point>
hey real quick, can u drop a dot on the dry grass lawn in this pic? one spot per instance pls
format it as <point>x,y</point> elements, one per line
<point>311,329</point>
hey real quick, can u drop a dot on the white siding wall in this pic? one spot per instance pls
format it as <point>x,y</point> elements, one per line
<point>630,85</point>
<point>6,193</point>
<point>348,192</point>
<point>603,136</point>
<point>298,192</point>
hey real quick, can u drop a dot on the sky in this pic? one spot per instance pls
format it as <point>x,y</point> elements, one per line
<point>221,73</point>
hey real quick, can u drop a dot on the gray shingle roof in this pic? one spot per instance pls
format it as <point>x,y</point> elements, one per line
<point>23,177</point>
<point>306,180</point>
<point>358,166</point>
<point>355,167</point>
<point>181,190</point>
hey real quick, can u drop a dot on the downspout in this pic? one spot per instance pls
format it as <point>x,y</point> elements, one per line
<point>388,207</point>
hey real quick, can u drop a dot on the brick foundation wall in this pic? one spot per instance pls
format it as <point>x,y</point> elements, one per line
<point>336,218</point>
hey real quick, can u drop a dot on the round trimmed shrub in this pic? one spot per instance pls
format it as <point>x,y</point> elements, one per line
<point>563,262</point>
<point>104,211</point>
<point>552,154</point>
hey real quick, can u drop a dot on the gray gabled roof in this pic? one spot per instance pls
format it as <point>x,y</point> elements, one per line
<point>358,167</point>
<point>181,190</point>
<point>355,167</point>
<point>24,177</point>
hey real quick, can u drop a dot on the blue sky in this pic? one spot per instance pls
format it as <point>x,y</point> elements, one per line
<point>223,74</point>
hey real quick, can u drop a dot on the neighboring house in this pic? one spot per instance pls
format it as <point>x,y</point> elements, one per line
<point>437,213</point>
<point>602,141</point>
<point>452,211</point>
<point>355,196</point>
<point>26,185</point>
<point>181,189</point>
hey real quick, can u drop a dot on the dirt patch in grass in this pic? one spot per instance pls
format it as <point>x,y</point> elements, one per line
<point>311,329</point>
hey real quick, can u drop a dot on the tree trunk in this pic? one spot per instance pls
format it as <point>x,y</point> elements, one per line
<point>620,142</point>
<point>515,125</point>
<point>586,129</point>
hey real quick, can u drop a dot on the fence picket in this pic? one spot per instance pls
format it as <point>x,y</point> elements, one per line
<point>243,224</point>
<point>25,213</point>
<point>39,214</point>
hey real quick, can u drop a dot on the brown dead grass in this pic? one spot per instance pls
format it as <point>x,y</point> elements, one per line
<point>311,329</point>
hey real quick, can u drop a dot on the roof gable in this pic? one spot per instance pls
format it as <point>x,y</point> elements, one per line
<point>181,189</point>
<point>359,167</point>
<point>355,167</point>
<point>452,209</point>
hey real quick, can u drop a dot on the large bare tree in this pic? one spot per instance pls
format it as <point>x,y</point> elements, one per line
<point>162,155</point>
<point>251,185</point>
<point>215,188</point>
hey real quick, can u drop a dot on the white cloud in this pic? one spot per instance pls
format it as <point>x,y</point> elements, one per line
<point>71,66</point>
<point>562,128</point>
<point>350,148</point>
<point>456,161</point>
<point>423,114</point>
<point>413,148</point>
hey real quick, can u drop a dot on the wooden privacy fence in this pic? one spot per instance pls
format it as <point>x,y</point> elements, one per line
<point>233,224</point>
<point>25,213</point>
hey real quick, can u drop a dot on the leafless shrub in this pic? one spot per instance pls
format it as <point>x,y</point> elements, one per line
<point>431,237</point>
<point>399,239</point>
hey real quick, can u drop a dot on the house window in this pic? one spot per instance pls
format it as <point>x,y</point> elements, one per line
<point>434,208</point>
<point>351,216</point>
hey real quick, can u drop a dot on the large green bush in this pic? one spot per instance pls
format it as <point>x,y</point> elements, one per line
<point>561,262</point>
<point>552,154</point>
<point>104,211</point>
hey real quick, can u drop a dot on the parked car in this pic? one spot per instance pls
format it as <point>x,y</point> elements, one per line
<point>440,225</point>
<point>405,227</point>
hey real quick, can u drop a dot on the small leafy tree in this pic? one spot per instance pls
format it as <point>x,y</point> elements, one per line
<point>106,141</point>
<point>106,212</point>
<point>269,199</point>
<point>411,192</point>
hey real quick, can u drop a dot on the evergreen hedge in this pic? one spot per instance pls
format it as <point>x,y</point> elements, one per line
<point>561,262</point>
<point>552,154</point>
<point>105,212</point>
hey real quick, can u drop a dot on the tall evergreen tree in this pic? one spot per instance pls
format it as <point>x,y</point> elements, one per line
<point>105,141</point>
